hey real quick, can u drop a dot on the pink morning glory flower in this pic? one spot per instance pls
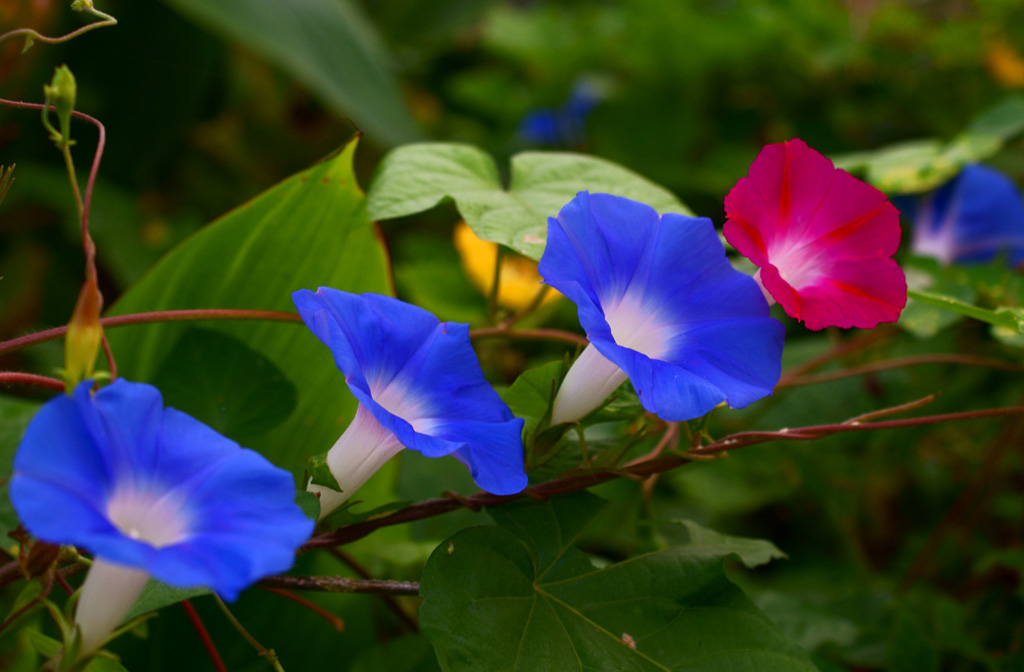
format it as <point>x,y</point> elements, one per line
<point>823,239</point>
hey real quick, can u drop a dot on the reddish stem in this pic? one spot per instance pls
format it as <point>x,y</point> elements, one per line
<point>204,635</point>
<point>874,367</point>
<point>335,621</point>
<point>155,316</point>
<point>580,480</point>
<point>16,378</point>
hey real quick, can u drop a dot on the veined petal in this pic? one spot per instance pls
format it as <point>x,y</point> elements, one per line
<point>805,223</point>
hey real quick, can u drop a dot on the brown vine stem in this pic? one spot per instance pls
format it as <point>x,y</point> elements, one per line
<point>341,584</point>
<point>847,347</point>
<point>582,479</point>
<point>899,362</point>
<point>152,317</point>
<point>391,602</point>
<point>529,334</point>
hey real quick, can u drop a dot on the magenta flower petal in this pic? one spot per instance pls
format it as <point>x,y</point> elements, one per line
<point>823,239</point>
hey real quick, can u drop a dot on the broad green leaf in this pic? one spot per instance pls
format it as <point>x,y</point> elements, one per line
<point>411,653</point>
<point>328,45</point>
<point>157,595</point>
<point>704,542</point>
<point>200,377</point>
<point>417,177</point>
<point>921,165</point>
<point>521,597</point>
<point>307,231</point>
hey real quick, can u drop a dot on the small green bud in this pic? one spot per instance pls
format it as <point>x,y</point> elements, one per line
<point>82,5</point>
<point>61,93</point>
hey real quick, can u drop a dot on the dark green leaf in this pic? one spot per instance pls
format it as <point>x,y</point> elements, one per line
<point>704,542</point>
<point>309,503</point>
<point>417,177</point>
<point>15,415</point>
<point>411,653</point>
<point>307,231</point>
<point>521,597</point>
<point>238,391</point>
<point>328,45</point>
<point>157,595</point>
<point>807,621</point>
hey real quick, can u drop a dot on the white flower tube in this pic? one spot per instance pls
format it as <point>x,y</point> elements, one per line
<point>108,594</point>
<point>361,450</point>
<point>589,382</point>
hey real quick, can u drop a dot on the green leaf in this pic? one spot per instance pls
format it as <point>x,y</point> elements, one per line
<point>157,595</point>
<point>15,414</point>
<point>319,473</point>
<point>307,231</point>
<point>922,165</point>
<point>200,377</point>
<point>417,177</point>
<point>807,620</point>
<point>411,653</point>
<point>531,395</point>
<point>704,542</point>
<point>328,45</point>
<point>104,664</point>
<point>521,597</point>
<point>47,646</point>
<point>1008,318</point>
<point>309,503</point>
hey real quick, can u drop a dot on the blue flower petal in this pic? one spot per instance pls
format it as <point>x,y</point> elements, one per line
<point>420,378</point>
<point>973,218</point>
<point>236,511</point>
<point>694,332</point>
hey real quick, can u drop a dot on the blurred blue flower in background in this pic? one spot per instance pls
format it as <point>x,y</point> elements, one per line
<point>976,216</point>
<point>566,125</point>
<point>151,492</point>
<point>662,305</point>
<point>419,386</point>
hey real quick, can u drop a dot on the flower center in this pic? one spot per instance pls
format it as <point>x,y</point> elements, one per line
<point>156,518</point>
<point>637,327</point>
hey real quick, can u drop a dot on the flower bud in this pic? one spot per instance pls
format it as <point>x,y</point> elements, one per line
<point>61,93</point>
<point>84,335</point>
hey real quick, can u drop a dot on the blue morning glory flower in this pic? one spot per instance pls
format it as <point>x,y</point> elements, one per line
<point>660,304</point>
<point>419,386</point>
<point>972,218</point>
<point>150,492</point>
